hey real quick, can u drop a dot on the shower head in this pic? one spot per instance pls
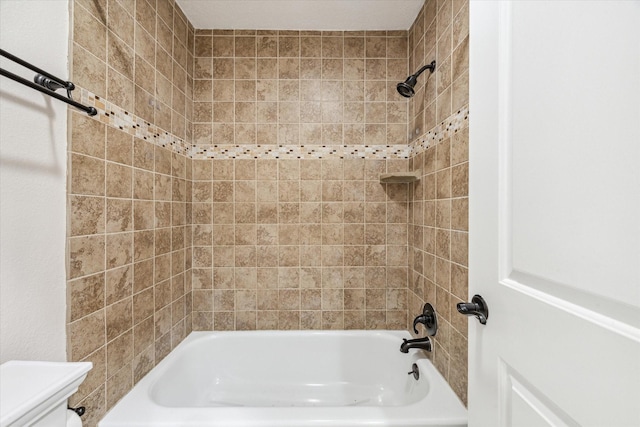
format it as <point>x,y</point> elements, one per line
<point>406,87</point>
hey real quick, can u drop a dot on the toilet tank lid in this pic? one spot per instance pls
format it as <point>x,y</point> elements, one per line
<point>29,388</point>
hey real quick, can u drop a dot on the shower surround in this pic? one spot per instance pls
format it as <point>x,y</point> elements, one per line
<point>231,182</point>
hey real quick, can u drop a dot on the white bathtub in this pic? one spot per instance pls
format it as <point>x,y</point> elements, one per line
<point>287,379</point>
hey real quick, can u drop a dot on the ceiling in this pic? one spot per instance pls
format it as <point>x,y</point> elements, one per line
<point>302,14</point>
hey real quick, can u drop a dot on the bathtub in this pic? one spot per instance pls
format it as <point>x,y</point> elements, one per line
<point>287,379</point>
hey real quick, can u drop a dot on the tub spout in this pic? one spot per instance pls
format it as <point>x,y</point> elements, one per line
<point>421,343</point>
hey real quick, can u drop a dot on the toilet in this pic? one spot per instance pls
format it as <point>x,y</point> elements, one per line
<point>35,393</point>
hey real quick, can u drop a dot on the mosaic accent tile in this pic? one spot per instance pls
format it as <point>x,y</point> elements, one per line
<point>300,152</point>
<point>457,121</point>
<point>114,116</point>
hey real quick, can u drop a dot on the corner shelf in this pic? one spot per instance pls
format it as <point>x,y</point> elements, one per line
<point>399,177</point>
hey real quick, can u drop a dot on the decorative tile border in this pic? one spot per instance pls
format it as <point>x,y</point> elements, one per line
<point>301,152</point>
<point>114,116</point>
<point>457,121</point>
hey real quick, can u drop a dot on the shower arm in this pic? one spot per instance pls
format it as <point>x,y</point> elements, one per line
<point>431,67</point>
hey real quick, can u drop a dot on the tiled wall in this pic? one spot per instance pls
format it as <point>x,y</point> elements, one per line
<point>438,237</point>
<point>129,216</point>
<point>139,56</point>
<point>440,33</point>
<point>291,87</point>
<point>299,243</point>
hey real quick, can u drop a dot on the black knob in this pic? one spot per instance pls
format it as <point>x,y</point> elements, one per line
<point>477,307</point>
<point>80,410</point>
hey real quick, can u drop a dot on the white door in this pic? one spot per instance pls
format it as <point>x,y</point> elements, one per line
<point>555,213</point>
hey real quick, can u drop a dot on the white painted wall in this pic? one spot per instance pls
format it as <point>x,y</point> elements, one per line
<point>33,143</point>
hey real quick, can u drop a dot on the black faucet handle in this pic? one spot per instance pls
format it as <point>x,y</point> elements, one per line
<point>420,319</point>
<point>428,319</point>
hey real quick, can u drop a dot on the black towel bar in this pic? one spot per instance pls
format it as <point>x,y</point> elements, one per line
<point>45,83</point>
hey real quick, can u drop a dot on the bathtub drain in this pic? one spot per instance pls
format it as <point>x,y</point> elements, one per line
<point>415,371</point>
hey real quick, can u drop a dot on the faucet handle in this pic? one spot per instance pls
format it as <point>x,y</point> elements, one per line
<point>428,319</point>
<point>477,307</point>
<point>418,319</point>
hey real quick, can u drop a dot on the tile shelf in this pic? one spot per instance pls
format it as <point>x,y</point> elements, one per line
<point>399,177</point>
